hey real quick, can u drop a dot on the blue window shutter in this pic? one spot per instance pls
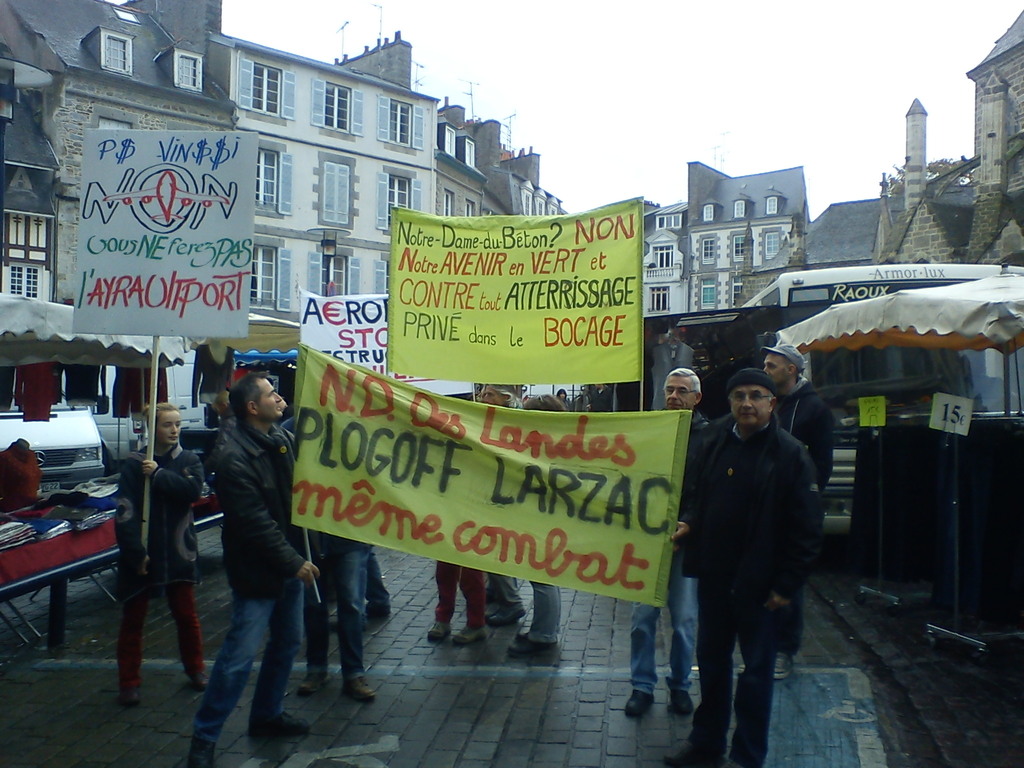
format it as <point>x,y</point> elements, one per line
<point>319,97</point>
<point>418,118</point>
<point>352,277</point>
<point>383,118</point>
<point>284,280</point>
<point>380,277</point>
<point>382,201</point>
<point>315,272</point>
<point>288,97</point>
<point>284,202</point>
<point>335,193</point>
<point>342,192</point>
<point>417,195</point>
<point>245,83</point>
<point>357,112</point>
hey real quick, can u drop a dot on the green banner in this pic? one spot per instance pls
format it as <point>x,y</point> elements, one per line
<point>471,298</point>
<point>586,501</point>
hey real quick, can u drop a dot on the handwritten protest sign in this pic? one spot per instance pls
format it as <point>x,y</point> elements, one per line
<point>572,499</point>
<point>355,329</point>
<point>165,239</point>
<point>474,297</point>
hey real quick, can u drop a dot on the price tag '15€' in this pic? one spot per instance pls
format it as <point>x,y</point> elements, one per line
<point>951,413</point>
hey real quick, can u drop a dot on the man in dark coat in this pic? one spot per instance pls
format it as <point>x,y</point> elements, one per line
<point>803,414</point>
<point>265,570</point>
<point>751,527</point>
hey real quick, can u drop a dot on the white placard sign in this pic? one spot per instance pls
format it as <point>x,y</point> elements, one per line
<point>951,413</point>
<point>355,329</point>
<point>165,239</point>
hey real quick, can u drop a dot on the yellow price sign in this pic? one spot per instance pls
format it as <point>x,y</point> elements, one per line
<point>872,411</point>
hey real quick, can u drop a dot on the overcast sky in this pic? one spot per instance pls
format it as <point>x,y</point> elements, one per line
<point>618,97</point>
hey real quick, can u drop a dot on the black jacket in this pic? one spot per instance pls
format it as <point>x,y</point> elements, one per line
<point>254,485</point>
<point>784,534</point>
<point>806,417</point>
<point>172,548</point>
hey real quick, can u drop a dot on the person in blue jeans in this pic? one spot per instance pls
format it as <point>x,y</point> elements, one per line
<point>343,565</point>
<point>265,571</point>
<point>682,392</point>
<point>378,599</point>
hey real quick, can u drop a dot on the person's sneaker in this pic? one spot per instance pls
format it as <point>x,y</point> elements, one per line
<point>468,635</point>
<point>129,697</point>
<point>524,646</point>
<point>639,702</point>
<point>357,688</point>
<point>198,681</point>
<point>680,702</point>
<point>783,665</point>
<point>312,683</point>
<point>505,616</point>
<point>282,725</point>
<point>200,753</point>
<point>439,631</point>
<point>688,754</point>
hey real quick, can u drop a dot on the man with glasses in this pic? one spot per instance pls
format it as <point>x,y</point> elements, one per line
<point>751,526</point>
<point>682,392</point>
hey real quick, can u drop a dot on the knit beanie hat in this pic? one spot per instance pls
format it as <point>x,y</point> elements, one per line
<point>750,376</point>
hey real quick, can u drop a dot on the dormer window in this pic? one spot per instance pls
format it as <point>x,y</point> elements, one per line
<point>708,213</point>
<point>188,71</point>
<point>116,52</point>
<point>449,140</point>
<point>739,209</point>
<point>670,221</point>
<point>771,205</point>
<point>469,153</point>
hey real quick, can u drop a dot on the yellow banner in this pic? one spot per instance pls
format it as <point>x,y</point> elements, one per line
<point>473,298</point>
<point>586,501</point>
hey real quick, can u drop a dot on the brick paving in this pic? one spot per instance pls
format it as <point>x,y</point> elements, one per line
<point>868,692</point>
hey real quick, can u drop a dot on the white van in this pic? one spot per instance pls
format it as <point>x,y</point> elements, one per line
<point>67,446</point>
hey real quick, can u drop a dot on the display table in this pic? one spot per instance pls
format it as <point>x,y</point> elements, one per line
<point>54,562</point>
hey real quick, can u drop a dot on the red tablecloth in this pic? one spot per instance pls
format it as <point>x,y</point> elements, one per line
<point>19,562</point>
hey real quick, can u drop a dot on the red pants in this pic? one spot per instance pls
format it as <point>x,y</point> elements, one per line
<point>471,582</point>
<point>182,602</point>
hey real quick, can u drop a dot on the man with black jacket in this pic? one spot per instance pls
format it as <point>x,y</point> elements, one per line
<point>803,414</point>
<point>265,570</point>
<point>750,527</point>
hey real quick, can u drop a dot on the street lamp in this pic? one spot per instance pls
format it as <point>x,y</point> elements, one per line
<point>13,75</point>
<point>328,249</point>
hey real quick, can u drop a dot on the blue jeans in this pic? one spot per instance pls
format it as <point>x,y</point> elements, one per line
<point>347,573</point>
<point>547,613</point>
<point>723,622</point>
<point>682,611</point>
<point>376,593</point>
<point>250,620</point>
<point>791,624</point>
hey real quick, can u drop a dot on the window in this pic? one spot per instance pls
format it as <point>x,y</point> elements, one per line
<point>267,178</point>
<point>188,71</point>
<point>737,289</point>
<point>266,89</point>
<point>449,140</point>
<point>395,191</point>
<point>670,221</point>
<point>380,276</point>
<point>708,293</point>
<point>24,281</point>
<point>663,256</point>
<point>336,107</point>
<point>125,15</point>
<point>335,201</point>
<point>771,244</point>
<point>658,299</point>
<point>771,206</point>
<point>527,200</point>
<point>470,208</point>
<point>336,272</point>
<point>739,247</point>
<point>469,153</point>
<point>707,250</point>
<point>398,194</point>
<point>399,122</point>
<point>264,276</point>
<point>709,212</point>
<point>739,209</point>
<point>25,254</point>
<point>337,101</point>
<point>117,52</point>
<point>449,203</point>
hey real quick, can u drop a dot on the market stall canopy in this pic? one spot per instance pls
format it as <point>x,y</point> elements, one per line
<point>980,314</point>
<point>266,335</point>
<point>35,331</point>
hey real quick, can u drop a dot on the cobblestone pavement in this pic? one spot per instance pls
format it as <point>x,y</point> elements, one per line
<point>867,692</point>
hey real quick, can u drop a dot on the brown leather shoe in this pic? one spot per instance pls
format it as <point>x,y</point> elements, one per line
<point>313,682</point>
<point>357,688</point>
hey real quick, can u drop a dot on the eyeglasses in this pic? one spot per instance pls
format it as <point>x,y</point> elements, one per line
<point>678,390</point>
<point>754,397</point>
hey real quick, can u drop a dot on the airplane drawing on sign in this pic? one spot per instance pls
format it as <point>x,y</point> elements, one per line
<point>161,198</point>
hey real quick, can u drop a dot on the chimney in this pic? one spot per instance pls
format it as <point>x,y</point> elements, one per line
<point>992,139</point>
<point>915,169</point>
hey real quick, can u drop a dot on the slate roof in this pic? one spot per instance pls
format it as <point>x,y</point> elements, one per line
<point>25,143</point>
<point>788,184</point>
<point>1013,37</point>
<point>844,234</point>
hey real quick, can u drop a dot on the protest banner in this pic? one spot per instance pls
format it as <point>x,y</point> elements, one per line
<point>355,329</point>
<point>165,238</point>
<point>473,297</point>
<point>577,500</point>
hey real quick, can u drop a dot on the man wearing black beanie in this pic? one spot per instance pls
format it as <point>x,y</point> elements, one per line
<point>750,527</point>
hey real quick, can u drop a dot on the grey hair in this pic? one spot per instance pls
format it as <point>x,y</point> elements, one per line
<point>689,374</point>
